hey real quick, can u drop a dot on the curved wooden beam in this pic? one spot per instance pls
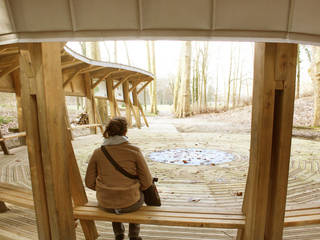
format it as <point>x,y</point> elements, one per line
<point>124,80</point>
<point>104,77</point>
<point>144,86</point>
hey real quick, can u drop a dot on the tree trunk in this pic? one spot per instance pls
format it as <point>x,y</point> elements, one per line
<point>107,51</point>
<point>196,77</point>
<point>204,75</point>
<point>229,80</point>
<point>235,80</point>
<point>177,87</point>
<point>316,87</point>
<point>153,103</point>
<point>127,52</point>
<point>184,98</point>
<point>314,72</point>
<point>115,52</point>
<point>240,85</point>
<point>217,90</point>
<point>298,73</point>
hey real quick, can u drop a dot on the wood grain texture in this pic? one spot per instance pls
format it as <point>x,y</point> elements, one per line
<point>272,116</point>
<point>90,102</point>
<point>256,196</point>
<point>111,98</point>
<point>285,69</point>
<point>126,98</point>
<point>44,111</point>
<point>136,106</point>
<point>3,144</point>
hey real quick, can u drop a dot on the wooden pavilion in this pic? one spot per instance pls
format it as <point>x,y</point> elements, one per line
<point>38,26</point>
<point>80,76</point>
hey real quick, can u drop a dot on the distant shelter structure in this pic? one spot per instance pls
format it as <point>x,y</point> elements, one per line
<point>80,76</point>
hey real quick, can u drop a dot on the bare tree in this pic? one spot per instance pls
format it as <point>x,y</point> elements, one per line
<point>153,84</point>
<point>115,51</point>
<point>314,72</point>
<point>298,72</point>
<point>184,108</point>
<point>229,79</point>
<point>204,71</point>
<point>127,52</point>
<point>177,85</point>
<point>107,51</point>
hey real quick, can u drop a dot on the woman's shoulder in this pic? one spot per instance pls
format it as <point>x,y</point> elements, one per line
<point>97,151</point>
<point>132,147</point>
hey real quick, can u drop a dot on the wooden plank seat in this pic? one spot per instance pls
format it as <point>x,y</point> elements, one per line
<point>169,216</point>
<point>302,214</point>
<point>15,135</point>
<point>16,195</point>
<point>297,215</point>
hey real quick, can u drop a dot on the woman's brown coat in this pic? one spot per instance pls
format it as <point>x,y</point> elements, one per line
<point>113,189</point>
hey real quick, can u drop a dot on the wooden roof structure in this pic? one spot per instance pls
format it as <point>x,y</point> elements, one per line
<point>73,67</point>
<point>76,71</point>
<point>65,20</point>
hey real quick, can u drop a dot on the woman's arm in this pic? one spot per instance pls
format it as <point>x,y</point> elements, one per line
<point>91,174</point>
<point>143,172</point>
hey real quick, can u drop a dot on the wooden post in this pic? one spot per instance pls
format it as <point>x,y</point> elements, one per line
<point>43,110</point>
<point>78,193</point>
<point>126,98</point>
<point>3,207</point>
<point>102,110</point>
<point>17,87</point>
<point>111,98</point>
<point>136,107</point>
<point>272,116</point>
<point>90,102</point>
<point>143,116</point>
<point>69,130</point>
<point>3,145</point>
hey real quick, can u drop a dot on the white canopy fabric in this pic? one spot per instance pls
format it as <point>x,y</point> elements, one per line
<point>247,20</point>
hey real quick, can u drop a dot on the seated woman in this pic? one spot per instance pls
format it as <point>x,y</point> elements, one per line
<point>116,192</point>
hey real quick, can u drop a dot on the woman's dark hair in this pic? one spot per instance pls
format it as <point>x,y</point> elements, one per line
<point>116,126</point>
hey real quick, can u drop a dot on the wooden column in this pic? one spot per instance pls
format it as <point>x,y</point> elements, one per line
<point>90,102</point>
<point>69,130</point>
<point>102,110</point>
<point>3,145</point>
<point>3,207</point>
<point>78,192</point>
<point>17,87</point>
<point>126,98</point>
<point>111,98</point>
<point>44,114</point>
<point>271,128</point>
<point>136,107</point>
<point>143,115</point>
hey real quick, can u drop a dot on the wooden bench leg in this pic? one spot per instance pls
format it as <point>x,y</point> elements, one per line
<point>89,229</point>
<point>3,145</point>
<point>3,207</point>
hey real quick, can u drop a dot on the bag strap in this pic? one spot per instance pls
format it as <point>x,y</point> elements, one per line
<point>116,165</point>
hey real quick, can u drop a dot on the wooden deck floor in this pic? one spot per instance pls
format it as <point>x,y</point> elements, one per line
<point>19,223</point>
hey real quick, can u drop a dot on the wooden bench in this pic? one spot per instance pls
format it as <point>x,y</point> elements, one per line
<point>3,138</point>
<point>298,215</point>
<point>15,135</point>
<point>169,216</point>
<point>302,214</point>
<point>15,195</point>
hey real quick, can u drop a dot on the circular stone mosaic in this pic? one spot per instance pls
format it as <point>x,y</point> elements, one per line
<point>192,156</point>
